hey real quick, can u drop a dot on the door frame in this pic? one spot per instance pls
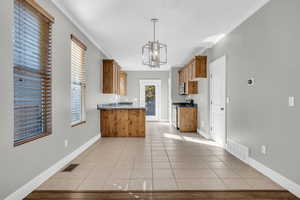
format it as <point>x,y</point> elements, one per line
<point>157,84</point>
<point>225,100</point>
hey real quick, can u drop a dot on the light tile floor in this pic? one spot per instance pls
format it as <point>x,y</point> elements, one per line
<point>164,160</point>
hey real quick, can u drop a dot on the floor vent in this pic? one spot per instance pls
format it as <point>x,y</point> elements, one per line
<point>238,150</point>
<point>70,168</point>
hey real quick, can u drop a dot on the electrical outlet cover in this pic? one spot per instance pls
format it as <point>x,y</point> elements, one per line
<point>291,101</point>
<point>66,143</point>
<point>227,100</point>
<point>264,149</point>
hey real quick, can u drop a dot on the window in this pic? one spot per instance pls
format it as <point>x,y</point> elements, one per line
<point>78,82</point>
<point>32,71</point>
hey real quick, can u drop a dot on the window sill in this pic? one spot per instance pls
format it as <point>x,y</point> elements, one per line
<point>31,139</point>
<point>78,123</point>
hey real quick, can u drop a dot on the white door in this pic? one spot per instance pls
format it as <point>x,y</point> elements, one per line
<point>150,97</point>
<point>217,100</point>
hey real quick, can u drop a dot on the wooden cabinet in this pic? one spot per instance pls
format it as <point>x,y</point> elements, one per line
<point>122,123</point>
<point>123,83</point>
<point>111,77</point>
<point>196,68</point>
<point>192,87</point>
<point>181,76</point>
<point>187,117</point>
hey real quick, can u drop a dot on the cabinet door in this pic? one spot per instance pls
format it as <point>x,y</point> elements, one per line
<point>192,87</point>
<point>123,83</point>
<point>108,123</point>
<point>180,74</point>
<point>191,75</point>
<point>188,119</point>
<point>201,67</point>
<point>193,69</point>
<point>186,74</point>
<point>114,78</point>
<point>108,77</point>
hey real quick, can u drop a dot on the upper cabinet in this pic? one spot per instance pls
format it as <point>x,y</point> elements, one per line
<point>197,67</point>
<point>188,75</point>
<point>114,81</point>
<point>123,83</point>
<point>111,77</point>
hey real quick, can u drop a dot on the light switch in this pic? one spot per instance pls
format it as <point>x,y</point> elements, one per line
<point>227,100</point>
<point>291,101</point>
<point>264,149</point>
<point>66,143</point>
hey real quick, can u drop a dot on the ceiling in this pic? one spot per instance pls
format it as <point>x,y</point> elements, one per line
<point>121,27</point>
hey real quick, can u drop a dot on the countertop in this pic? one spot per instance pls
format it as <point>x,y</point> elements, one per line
<point>183,104</point>
<point>119,106</point>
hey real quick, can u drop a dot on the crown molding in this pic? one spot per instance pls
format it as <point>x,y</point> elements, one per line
<point>251,12</point>
<point>77,24</point>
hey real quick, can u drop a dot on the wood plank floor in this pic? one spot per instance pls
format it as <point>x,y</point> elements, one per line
<point>166,195</point>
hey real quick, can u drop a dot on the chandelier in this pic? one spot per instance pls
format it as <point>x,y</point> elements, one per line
<point>154,53</point>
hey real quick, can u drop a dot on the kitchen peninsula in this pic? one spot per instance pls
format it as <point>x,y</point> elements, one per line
<point>122,120</point>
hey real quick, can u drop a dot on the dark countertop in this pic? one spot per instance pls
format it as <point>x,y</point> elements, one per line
<point>119,106</point>
<point>183,104</point>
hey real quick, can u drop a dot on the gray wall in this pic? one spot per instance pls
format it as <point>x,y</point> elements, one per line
<point>20,164</point>
<point>265,47</point>
<point>175,85</point>
<point>133,87</point>
<point>202,100</point>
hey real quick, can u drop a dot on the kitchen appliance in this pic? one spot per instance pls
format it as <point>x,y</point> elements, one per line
<point>182,88</point>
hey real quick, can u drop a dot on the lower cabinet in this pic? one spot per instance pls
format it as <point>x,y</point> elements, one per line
<point>187,118</point>
<point>122,123</point>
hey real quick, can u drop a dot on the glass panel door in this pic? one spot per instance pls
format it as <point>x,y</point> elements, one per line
<point>150,100</point>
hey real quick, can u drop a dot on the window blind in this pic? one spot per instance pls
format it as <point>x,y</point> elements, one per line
<point>78,82</point>
<point>32,71</point>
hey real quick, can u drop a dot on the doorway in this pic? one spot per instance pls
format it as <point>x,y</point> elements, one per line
<point>150,97</point>
<point>217,101</point>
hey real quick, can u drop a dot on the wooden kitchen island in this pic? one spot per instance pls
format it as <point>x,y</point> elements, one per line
<point>122,120</point>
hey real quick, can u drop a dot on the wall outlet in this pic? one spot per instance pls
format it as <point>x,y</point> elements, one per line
<point>264,149</point>
<point>291,101</point>
<point>66,143</point>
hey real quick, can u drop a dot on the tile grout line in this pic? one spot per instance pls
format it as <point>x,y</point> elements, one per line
<point>152,178</point>
<point>171,167</point>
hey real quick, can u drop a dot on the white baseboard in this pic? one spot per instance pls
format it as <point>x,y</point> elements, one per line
<point>276,177</point>
<point>26,189</point>
<point>203,134</point>
<point>239,151</point>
